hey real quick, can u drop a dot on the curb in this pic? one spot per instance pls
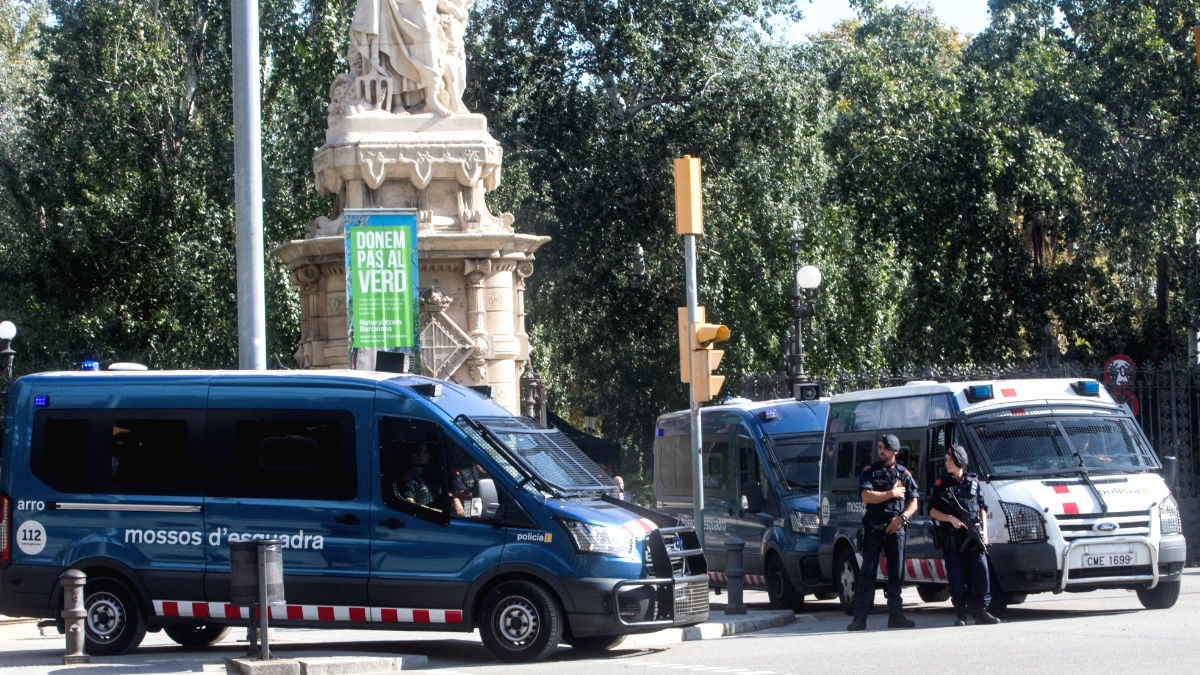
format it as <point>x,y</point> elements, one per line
<point>325,665</point>
<point>719,625</point>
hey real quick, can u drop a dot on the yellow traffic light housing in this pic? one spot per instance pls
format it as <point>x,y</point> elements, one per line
<point>689,196</point>
<point>705,359</point>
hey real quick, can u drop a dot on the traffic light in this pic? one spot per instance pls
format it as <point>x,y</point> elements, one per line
<point>689,196</point>
<point>705,360</point>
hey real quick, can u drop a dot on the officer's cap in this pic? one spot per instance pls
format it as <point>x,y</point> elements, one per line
<point>890,442</point>
<point>958,454</point>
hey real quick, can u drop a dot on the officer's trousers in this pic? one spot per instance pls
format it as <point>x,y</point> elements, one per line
<point>970,588</point>
<point>892,546</point>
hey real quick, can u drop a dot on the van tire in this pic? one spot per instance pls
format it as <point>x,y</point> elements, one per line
<point>196,634</point>
<point>114,620</point>
<point>933,592</point>
<point>595,643</point>
<point>520,622</point>
<point>1162,596</point>
<point>779,588</point>
<point>847,579</point>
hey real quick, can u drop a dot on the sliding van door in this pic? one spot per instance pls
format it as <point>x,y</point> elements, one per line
<point>286,465</point>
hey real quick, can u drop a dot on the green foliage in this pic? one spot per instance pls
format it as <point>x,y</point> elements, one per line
<point>123,237</point>
<point>957,195</point>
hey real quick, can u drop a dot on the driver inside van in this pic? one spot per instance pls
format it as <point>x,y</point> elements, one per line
<point>419,484</point>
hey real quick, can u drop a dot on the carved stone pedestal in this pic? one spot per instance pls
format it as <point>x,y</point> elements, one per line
<point>472,264</point>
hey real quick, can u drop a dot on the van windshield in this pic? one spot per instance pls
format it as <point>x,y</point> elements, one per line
<point>529,450</point>
<point>1044,444</point>
<point>799,457</point>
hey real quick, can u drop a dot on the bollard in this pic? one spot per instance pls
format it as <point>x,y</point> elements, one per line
<point>73,615</point>
<point>734,550</point>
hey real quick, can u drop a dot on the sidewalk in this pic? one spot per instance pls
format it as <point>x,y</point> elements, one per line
<point>28,651</point>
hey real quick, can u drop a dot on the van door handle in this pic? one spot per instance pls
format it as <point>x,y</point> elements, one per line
<point>347,519</point>
<point>392,523</point>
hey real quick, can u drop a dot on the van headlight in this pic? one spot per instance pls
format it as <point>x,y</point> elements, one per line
<point>603,539</point>
<point>1168,516</point>
<point>804,523</point>
<point>1025,524</point>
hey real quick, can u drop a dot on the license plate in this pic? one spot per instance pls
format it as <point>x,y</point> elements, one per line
<point>1109,560</point>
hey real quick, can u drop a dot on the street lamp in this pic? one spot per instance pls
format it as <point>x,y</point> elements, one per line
<point>804,292</point>
<point>8,331</point>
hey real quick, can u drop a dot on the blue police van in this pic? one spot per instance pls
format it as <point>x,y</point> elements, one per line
<point>760,470</point>
<point>398,501</point>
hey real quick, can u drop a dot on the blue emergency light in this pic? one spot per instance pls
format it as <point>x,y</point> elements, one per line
<point>768,415</point>
<point>41,401</point>
<point>1086,387</point>
<point>90,365</point>
<point>978,392</point>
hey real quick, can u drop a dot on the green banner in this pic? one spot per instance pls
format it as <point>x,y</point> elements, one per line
<point>381,278</point>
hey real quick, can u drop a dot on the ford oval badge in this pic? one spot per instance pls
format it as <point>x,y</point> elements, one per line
<point>1106,526</point>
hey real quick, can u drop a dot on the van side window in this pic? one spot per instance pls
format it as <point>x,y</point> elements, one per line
<point>715,456</point>
<point>60,454</point>
<point>116,451</point>
<point>285,454</point>
<point>417,469</point>
<point>149,455</point>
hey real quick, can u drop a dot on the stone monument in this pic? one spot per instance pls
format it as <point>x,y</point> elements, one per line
<point>399,136</point>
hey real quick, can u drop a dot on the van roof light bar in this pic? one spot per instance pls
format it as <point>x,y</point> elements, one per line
<point>978,392</point>
<point>1086,387</point>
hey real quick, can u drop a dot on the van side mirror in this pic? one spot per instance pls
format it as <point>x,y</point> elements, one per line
<point>752,499</point>
<point>488,499</point>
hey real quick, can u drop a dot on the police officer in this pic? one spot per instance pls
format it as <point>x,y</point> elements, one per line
<point>890,495</point>
<point>956,503</point>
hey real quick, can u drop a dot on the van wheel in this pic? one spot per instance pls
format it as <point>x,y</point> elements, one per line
<point>115,624</point>
<point>521,622</point>
<point>847,579</point>
<point>933,593</point>
<point>197,634</point>
<point>1161,596</point>
<point>595,643</point>
<point>780,590</point>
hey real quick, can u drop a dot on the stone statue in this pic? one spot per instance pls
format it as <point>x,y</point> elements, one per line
<point>409,55</point>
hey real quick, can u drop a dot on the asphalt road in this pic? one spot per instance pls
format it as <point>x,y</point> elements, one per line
<point>1103,631</point>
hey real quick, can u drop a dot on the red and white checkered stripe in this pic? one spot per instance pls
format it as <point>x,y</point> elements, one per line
<point>204,610</point>
<point>640,527</point>
<point>749,580</point>
<point>1068,508</point>
<point>919,570</point>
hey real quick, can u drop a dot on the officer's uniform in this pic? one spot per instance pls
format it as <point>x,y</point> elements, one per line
<point>878,477</point>
<point>966,561</point>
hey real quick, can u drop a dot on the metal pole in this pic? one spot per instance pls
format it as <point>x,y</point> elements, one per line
<point>689,253</point>
<point>247,155</point>
<point>264,608</point>
<point>797,356</point>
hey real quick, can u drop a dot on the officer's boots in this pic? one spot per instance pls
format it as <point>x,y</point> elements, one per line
<point>900,621</point>
<point>983,617</point>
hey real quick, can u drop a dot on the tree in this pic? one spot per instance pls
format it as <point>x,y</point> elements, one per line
<point>124,237</point>
<point>592,101</point>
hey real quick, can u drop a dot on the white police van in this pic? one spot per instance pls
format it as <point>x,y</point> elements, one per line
<point>1072,487</point>
<point>759,464</point>
<point>401,502</point>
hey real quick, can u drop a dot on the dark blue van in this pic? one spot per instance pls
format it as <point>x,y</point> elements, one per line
<point>401,502</point>
<point>761,467</point>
